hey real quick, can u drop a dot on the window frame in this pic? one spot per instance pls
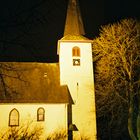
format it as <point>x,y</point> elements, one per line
<point>76,51</point>
<point>42,114</point>
<point>76,54</point>
<point>17,118</point>
<point>76,62</point>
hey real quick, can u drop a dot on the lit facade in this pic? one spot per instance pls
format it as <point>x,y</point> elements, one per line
<point>57,96</point>
<point>79,78</point>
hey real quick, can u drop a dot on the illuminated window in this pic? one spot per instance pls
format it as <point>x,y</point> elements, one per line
<point>76,51</point>
<point>76,54</point>
<point>14,118</point>
<point>40,114</point>
<point>76,62</point>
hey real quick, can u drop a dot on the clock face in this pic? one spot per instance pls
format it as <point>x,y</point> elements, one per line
<point>76,62</point>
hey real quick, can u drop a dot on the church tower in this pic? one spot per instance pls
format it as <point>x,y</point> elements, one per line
<point>76,71</point>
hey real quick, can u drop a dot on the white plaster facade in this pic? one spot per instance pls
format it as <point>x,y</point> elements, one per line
<point>55,117</point>
<point>80,82</point>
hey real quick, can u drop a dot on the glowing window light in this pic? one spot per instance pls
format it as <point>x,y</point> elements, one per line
<point>76,51</point>
<point>40,114</point>
<point>14,117</point>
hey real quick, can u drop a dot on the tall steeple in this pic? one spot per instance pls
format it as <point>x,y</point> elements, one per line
<point>74,23</point>
<point>76,71</point>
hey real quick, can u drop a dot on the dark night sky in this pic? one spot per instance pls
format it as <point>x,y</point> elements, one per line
<point>29,29</point>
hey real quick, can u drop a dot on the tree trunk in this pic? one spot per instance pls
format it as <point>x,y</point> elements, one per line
<point>130,124</point>
<point>138,118</point>
<point>131,117</point>
<point>138,126</point>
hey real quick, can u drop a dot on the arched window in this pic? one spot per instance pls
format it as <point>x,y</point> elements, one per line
<point>14,117</point>
<point>76,54</point>
<point>76,51</point>
<point>40,114</point>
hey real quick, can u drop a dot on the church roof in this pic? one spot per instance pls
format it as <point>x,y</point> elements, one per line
<point>74,23</point>
<point>31,82</point>
<point>74,29</point>
<point>74,37</point>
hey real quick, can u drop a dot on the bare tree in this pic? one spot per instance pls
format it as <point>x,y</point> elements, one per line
<point>23,132</point>
<point>10,71</point>
<point>117,55</point>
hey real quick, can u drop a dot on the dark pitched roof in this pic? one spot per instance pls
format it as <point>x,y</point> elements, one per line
<point>74,37</point>
<point>33,83</point>
<point>74,23</point>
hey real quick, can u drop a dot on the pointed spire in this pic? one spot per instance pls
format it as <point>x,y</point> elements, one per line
<point>74,23</point>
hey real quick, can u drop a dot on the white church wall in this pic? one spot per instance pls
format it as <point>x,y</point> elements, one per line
<point>81,85</point>
<point>55,116</point>
<point>66,63</point>
<point>73,75</point>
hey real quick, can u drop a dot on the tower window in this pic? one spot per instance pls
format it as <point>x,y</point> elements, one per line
<point>76,51</point>
<point>14,118</point>
<point>76,62</point>
<point>40,114</point>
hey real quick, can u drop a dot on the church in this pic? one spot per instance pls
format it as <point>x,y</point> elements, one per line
<point>54,96</point>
